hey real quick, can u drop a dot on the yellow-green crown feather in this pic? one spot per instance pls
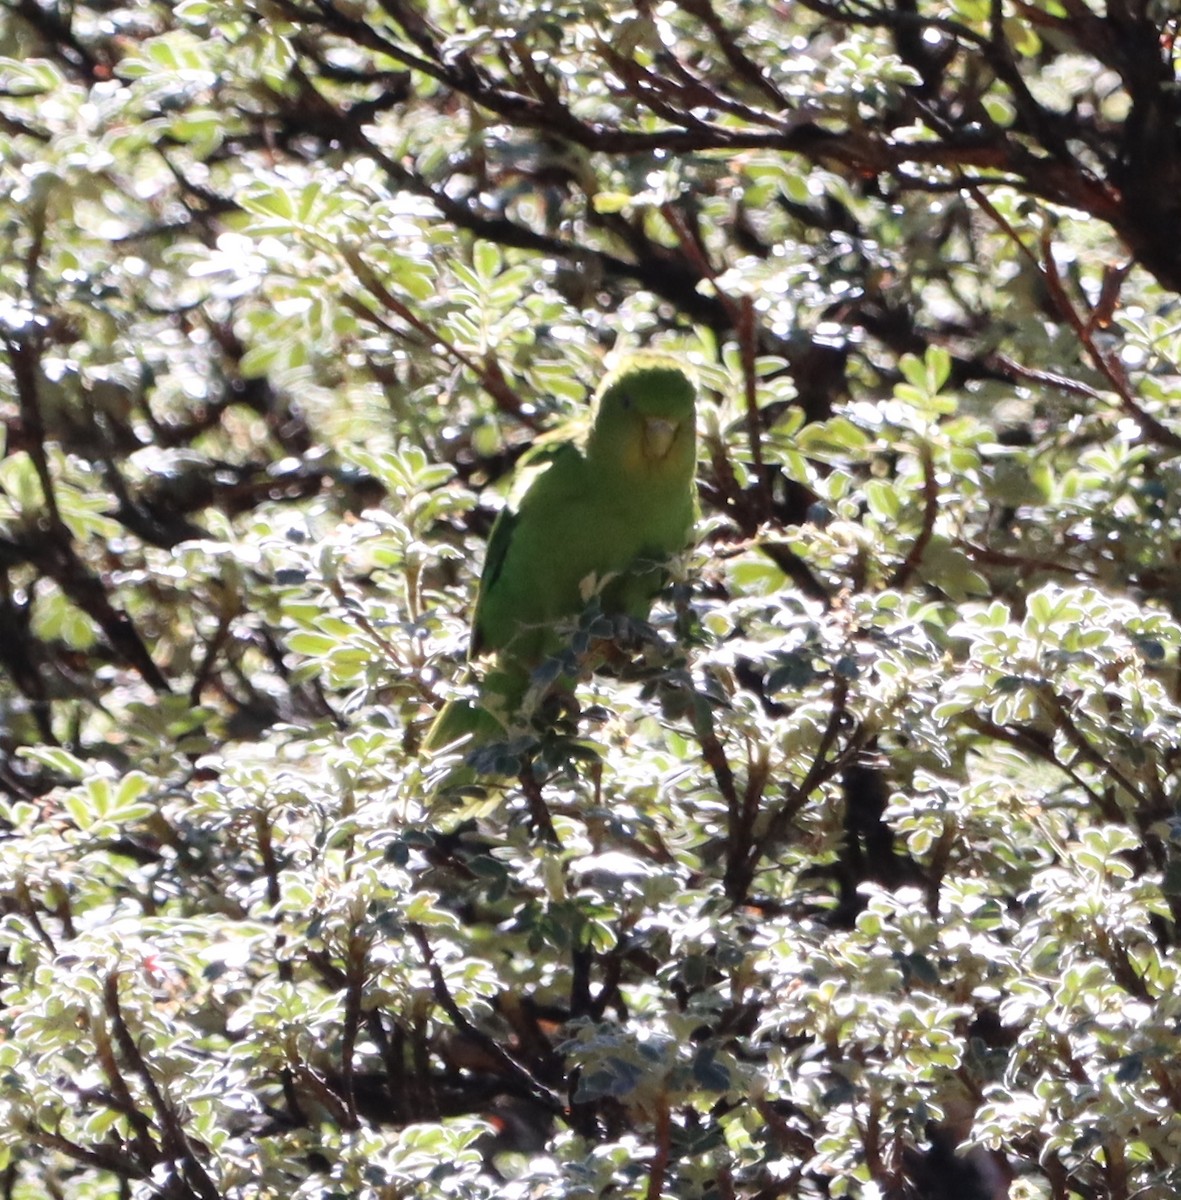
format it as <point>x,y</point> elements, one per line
<point>644,421</point>
<point>663,379</point>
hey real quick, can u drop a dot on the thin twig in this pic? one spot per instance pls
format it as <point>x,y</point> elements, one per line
<point>539,812</point>
<point>1084,328</point>
<point>930,512</point>
<point>488,373</point>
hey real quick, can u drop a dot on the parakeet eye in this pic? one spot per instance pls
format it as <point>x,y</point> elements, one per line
<point>625,401</point>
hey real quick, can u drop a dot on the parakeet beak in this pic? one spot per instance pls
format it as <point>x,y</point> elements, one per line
<point>658,436</point>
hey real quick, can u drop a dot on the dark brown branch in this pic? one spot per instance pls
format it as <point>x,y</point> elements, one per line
<point>175,1141</point>
<point>743,67</point>
<point>511,1068</point>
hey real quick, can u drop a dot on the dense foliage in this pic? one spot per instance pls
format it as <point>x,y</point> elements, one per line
<point>859,873</point>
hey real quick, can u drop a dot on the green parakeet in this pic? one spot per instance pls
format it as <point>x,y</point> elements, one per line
<point>601,514</point>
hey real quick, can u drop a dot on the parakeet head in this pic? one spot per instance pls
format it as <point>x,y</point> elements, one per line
<point>645,420</point>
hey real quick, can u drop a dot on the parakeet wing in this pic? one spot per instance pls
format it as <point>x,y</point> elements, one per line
<point>543,457</point>
<point>498,543</point>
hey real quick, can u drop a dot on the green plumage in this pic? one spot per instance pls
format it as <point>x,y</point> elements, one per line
<point>599,515</point>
